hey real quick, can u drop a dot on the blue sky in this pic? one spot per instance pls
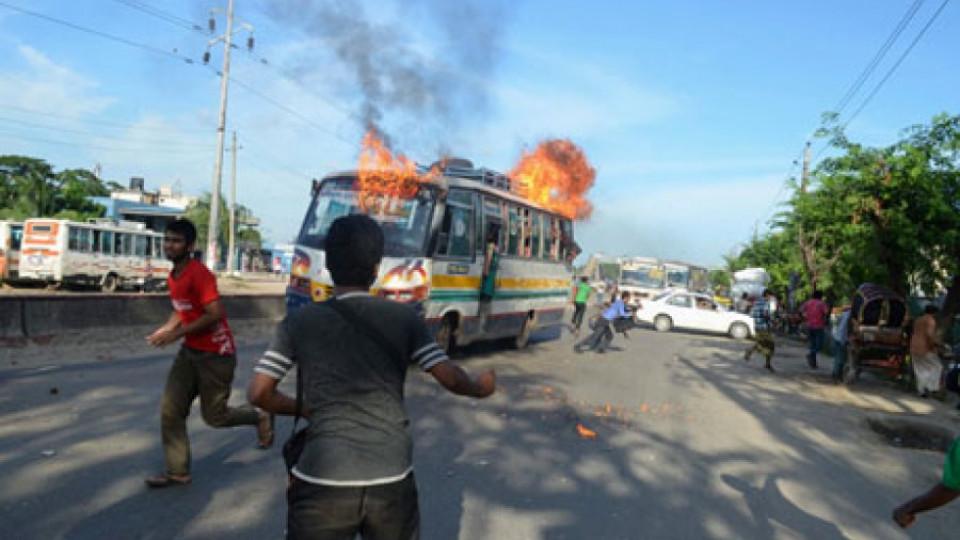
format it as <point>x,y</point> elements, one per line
<point>692,112</point>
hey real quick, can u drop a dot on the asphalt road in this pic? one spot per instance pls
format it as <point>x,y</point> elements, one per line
<point>690,442</point>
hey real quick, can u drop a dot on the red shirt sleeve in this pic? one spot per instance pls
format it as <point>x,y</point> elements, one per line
<point>206,287</point>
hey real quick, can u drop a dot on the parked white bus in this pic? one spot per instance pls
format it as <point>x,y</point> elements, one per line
<point>434,253</point>
<point>102,253</point>
<point>11,234</point>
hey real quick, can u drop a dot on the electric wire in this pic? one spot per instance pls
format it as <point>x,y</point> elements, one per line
<point>60,129</point>
<point>107,123</point>
<point>875,61</point>
<point>151,149</point>
<point>160,14</point>
<point>98,33</point>
<point>899,61</point>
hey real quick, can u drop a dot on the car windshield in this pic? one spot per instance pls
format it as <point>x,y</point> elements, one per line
<point>661,296</point>
<point>405,222</point>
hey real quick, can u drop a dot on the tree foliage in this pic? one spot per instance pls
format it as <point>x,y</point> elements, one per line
<point>888,214</point>
<point>29,187</point>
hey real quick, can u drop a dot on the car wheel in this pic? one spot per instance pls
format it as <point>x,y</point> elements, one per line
<point>739,331</point>
<point>662,323</point>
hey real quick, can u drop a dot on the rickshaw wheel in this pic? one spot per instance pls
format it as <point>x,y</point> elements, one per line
<point>851,369</point>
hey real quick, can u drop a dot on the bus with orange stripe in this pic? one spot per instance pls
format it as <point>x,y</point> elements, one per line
<point>442,228</point>
<point>100,253</point>
<point>11,233</point>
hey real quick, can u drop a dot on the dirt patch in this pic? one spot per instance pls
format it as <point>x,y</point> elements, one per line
<point>907,433</point>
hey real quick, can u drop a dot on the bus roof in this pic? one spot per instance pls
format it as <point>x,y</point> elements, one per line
<point>473,181</point>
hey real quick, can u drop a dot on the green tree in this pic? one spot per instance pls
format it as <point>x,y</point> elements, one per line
<point>29,187</point>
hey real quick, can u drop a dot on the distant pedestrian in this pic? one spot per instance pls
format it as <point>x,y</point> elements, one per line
<point>941,493</point>
<point>351,354</point>
<point>924,351</point>
<point>205,363</point>
<point>742,304</point>
<point>763,330</point>
<point>815,312</point>
<point>840,333</point>
<point>581,296</point>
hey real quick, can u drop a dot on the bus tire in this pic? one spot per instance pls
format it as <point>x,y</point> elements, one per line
<point>523,338</point>
<point>109,284</point>
<point>446,335</point>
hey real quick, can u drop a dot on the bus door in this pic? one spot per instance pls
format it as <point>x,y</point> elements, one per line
<point>491,249</point>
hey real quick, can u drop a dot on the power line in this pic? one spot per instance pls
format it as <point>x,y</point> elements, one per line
<point>897,63</point>
<point>98,33</point>
<point>160,14</point>
<point>99,135</point>
<point>20,137</point>
<point>875,61</point>
<point>106,123</point>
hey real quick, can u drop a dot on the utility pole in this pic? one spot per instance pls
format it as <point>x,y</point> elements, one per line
<point>213,228</point>
<point>231,245</point>
<point>806,169</point>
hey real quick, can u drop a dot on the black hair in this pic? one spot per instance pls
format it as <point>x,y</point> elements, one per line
<point>354,247</point>
<point>744,296</point>
<point>931,309</point>
<point>818,294</point>
<point>624,295</point>
<point>767,292</point>
<point>583,279</point>
<point>185,228</point>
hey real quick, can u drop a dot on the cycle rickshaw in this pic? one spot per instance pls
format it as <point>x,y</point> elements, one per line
<point>877,336</point>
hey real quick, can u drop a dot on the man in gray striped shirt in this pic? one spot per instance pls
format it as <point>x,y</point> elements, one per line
<point>355,475</point>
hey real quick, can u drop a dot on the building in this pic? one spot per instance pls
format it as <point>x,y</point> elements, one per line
<point>154,209</point>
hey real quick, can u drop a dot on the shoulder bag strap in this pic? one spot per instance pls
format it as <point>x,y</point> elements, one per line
<point>299,407</point>
<point>347,313</point>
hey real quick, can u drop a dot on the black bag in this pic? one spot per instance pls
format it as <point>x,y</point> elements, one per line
<point>298,438</point>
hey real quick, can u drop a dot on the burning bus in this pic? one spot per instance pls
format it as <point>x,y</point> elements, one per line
<point>437,223</point>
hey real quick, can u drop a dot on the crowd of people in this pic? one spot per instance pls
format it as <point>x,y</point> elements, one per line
<point>355,475</point>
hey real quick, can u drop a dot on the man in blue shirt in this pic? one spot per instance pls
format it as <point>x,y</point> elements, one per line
<point>603,332</point>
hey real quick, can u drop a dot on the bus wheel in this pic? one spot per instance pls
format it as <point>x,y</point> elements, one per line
<point>445,336</point>
<point>523,338</point>
<point>109,284</point>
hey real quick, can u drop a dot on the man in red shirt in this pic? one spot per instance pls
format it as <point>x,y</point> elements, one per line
<point>815,312</point>
<point>204,365</point>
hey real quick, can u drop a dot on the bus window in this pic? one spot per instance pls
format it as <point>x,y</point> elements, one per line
<point>84,237</point>
<point>16,236</point>
<point>456,229</point>
<point>535,225</point>
<point>73,238</point>
<point>106,242</point>
<point>119,243</point>
<point>513,231</point>
<point>157,246</point>
<point>140,245</point>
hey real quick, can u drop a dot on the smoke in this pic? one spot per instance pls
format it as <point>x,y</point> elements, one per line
<point>398,76</point>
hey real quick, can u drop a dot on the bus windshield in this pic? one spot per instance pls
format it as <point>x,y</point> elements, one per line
<point>405,222</point>
<point>643,276</point>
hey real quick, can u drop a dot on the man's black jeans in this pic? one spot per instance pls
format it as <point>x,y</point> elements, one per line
<point>384,512</point>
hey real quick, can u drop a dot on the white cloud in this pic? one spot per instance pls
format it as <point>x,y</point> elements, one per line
<point>695,222</point>
<point>45,85</point>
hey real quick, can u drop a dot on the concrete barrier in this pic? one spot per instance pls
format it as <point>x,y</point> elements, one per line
<point>32,316</point>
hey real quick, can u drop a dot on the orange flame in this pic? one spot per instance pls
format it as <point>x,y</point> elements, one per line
<point>557,176</point>
<point>383,176</point>
<point>586,432</point>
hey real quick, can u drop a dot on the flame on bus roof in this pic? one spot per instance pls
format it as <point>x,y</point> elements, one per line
<point>556,175</point>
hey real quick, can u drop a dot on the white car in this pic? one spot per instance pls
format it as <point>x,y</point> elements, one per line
<point>693,311</point>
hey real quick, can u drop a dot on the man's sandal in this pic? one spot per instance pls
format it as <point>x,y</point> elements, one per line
<point>165,480</point>
<point>265,431</point>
